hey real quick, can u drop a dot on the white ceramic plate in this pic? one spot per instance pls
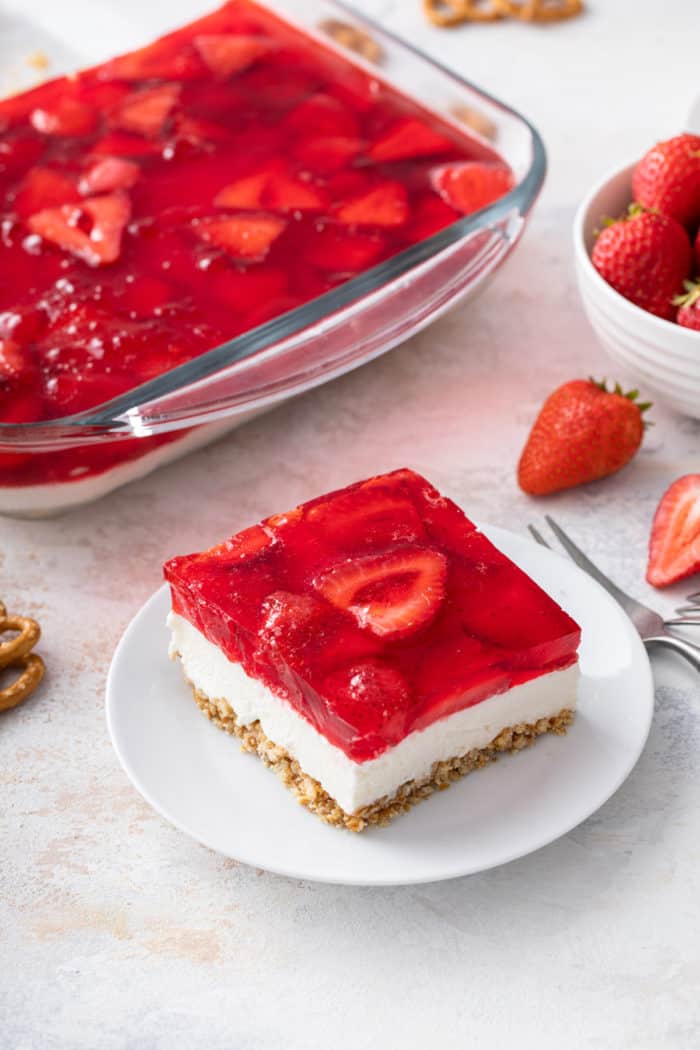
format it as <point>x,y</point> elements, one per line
<point>197,778</point>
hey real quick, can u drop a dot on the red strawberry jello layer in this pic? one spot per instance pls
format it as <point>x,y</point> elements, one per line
<point>375,643</point>
<point>173,198</point>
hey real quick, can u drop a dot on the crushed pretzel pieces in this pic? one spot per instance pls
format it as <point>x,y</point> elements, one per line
<point>38,60</point>
<point>16,654</point>
<point>354,39</point>
<point>455,12</point>
<point>476,120</point>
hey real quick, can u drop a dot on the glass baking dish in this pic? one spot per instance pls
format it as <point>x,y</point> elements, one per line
<point>355,322</point>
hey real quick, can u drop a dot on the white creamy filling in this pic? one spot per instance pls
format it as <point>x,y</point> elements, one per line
<point>355,785</point>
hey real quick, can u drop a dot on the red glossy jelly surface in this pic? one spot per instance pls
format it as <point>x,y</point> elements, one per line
<point>374,611</point>
<point>173,198</point>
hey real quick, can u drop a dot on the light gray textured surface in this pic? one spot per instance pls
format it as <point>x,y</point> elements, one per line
<point>116,931</point>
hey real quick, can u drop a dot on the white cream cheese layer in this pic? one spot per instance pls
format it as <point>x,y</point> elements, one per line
<point>355,785</point>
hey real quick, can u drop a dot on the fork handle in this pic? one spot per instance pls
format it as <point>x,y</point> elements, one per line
<point>690,652</point>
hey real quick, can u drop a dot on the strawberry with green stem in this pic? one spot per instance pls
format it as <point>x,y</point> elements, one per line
<point>583,432</point>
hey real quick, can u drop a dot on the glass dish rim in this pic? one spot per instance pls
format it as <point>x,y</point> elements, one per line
<point>115,418</point>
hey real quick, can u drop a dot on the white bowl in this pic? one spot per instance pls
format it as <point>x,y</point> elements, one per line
<point>662,356</point>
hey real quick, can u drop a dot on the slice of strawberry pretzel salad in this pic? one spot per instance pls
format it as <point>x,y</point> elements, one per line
<point>371,646</point>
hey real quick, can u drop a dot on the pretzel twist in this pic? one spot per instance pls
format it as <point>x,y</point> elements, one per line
<point>454,12</point>
<point>16,654</point>
<point>539,10</point>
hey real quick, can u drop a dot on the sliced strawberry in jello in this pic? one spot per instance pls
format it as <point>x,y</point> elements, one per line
<point>243,236</point>
<point>409,138</point>
<point>15,361</point>
<point>246,193</point>
<point>472,186</point>
<point>392,594</point>
<point>17,154</point>
<point>145,112</point>
<point>338,251</point>
<point>249,289</point>
<point>272,188</point>
<point>92,230</point>
<point>45,188</point>
<point>325,156</point>
<point>227,53</point>
<point>122,144</point>
<point>323,115</point>
<point>385,205</point>
<point>429,216</point>
<point>112,173</point>
<point>372,516</point>
<point>166,59</point>
<point>371,702</point>
<point>66,116</point>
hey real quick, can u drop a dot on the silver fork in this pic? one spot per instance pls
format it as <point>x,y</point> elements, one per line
<point>653,629</point>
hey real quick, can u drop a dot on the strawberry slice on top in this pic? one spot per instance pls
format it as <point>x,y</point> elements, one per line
<point>674,546</point>
<point>392,594</point>
<point>145,112</point>
<point>274,188</point>
<point>91,230</point>
<point>226,54</point>
<point>247,237</point>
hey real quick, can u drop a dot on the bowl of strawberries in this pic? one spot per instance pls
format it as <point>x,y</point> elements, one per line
<point>637,249</point>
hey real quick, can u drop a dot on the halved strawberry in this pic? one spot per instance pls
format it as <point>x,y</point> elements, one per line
<point>243,236</point>
<point>406,138</point>
<point>323,115</point>
<point>674,546</point>
<point>371,697</point>
<point>385,205</point>
<point>227,53</point>
<point>327,155</point>
<point>471,186</point>
<point>66,116</point>
<point>338,251</point>
<point>44,188</point>
<point>392,594</point>
<point>145,112</point>
<point>112,173</point>
<point>92,230</point>
<point>15,360</point>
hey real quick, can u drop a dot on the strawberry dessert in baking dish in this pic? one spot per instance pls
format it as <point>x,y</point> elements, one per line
<point>372,646</point>
<point>156,206</point>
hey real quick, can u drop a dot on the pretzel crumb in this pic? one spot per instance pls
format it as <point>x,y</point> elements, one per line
<point>354,39</point>
<point>309,793</point>
<point>38,60</point>
<point>447,13</point>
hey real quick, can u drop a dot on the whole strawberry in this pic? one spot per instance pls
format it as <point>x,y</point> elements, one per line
<point>667,178</point>
<point>583,432</point>
<point>688,305</point>
<point>645,257</point>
